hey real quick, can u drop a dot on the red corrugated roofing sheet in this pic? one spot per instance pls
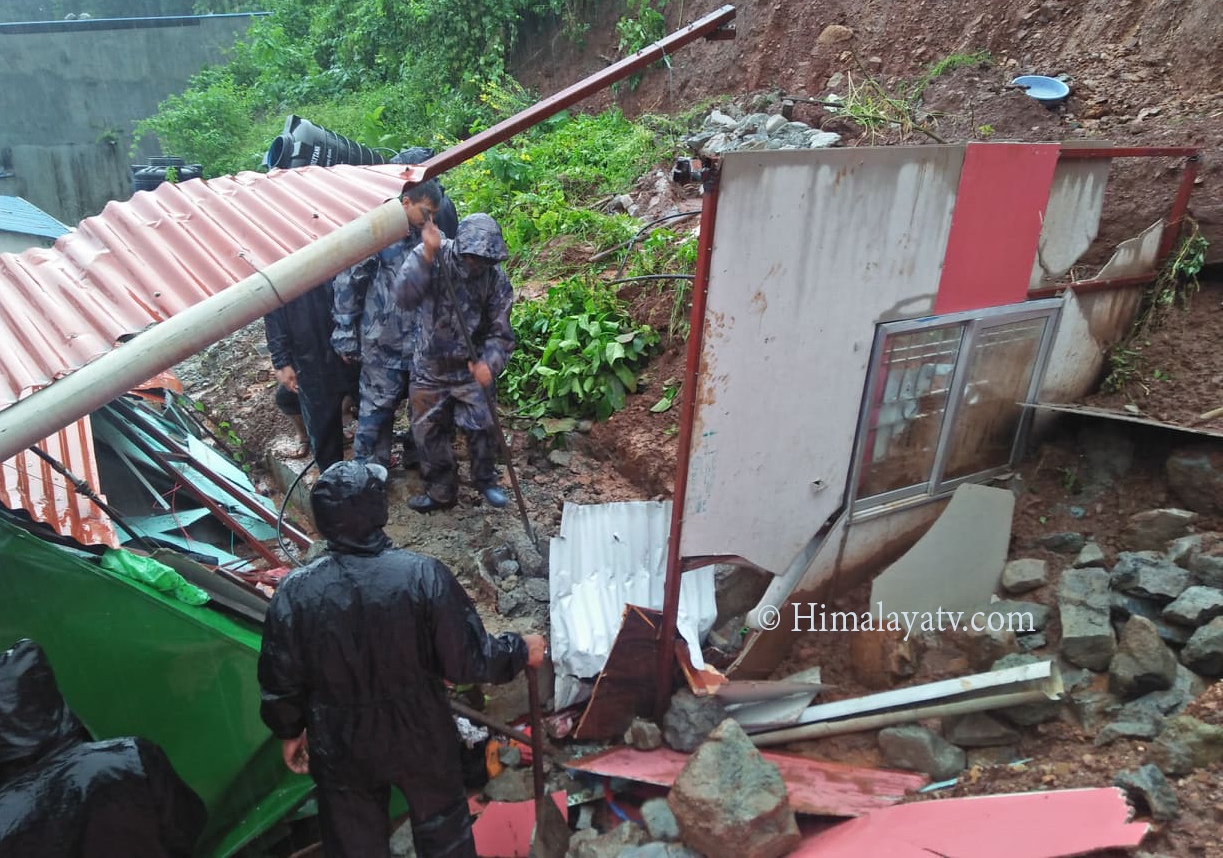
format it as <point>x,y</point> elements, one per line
<point>135,264</point>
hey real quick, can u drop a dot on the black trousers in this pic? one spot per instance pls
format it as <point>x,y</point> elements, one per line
<point>355,823</point>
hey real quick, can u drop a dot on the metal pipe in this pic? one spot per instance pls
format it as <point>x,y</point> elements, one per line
<point>113,374</point>
<point>903,716</point>
<point>540,111</point>
<point>223,484</point>
<point>696,334</point>
<point>159,458</point>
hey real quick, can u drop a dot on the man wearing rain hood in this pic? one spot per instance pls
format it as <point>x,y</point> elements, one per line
<point>449,388</point>
<point>355,648</point>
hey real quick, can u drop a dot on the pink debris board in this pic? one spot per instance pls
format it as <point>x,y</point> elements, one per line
<point>816,787</point>
<point>503,828</point>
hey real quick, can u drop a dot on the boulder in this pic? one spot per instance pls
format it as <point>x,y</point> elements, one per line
<point>1206,562</point>
<point>690,719</point>
<point>1180,550</point>
<point>917,749</point>
<point>1091,555</point>
<point>659,821</point>
<point>1083,604</point>
<point>1195,476</point>
<point>1149,786</point>
<point>1123,607</point>
<point>613,844</point>
<point>1142,663</point>
<point>1019,616</point>
<point>1147,575</point>
<point>511,785</point>
<point>1154,529</point>
<point>729,801</point>
<point>1196,606</point>
<point>1136,728</point>
<point>978,730</point>
<point>1186,744</point>
<point>1204,652</point>
<point>834,34</point>
<point>643,735</point>
<point>1020,576</point>
<point>1062,543</point>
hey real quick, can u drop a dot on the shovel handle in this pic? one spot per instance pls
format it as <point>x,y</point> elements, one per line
<point>537,732</point>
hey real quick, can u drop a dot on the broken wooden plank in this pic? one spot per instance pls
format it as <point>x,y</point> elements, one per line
<point>1044,824</point>
<point>814,786</point>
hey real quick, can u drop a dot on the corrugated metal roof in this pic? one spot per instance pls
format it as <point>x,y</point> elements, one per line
<point>135,264</point>
<point>141,261</point>
<point>605,557</point>
<point>20,216</point>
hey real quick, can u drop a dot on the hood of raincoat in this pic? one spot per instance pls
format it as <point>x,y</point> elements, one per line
<point>34,719</point>
<point>350,508</point>
<point>479,235</point>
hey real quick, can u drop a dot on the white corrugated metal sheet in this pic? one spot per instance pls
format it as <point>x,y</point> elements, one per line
<point>608,556</point>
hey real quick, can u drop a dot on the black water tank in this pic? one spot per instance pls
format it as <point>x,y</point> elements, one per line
<point>146,177</point>
<point>302,143</point>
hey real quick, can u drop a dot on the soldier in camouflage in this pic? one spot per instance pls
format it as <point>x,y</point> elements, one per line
<point>369,327</point>
<point>446,384</point>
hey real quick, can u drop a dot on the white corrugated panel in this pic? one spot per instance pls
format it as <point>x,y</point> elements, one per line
<point>608,556</point>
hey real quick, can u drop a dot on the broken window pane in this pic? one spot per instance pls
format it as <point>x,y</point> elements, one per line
<point>906,414</point>
<point>1002,360</point>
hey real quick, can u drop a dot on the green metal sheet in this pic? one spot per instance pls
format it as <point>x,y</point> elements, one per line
<point>132,662</point>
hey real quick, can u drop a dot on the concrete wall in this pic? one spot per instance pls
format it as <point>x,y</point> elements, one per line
<point>72,91</point>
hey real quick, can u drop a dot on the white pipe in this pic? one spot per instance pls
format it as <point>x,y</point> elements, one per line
<point>157,349</point>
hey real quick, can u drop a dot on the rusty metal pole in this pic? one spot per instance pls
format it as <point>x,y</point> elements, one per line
<point>1180,204</point>
<point>696,334</point>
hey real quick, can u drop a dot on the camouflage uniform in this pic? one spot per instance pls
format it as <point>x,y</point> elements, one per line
<point>444,394</point>
<point>364,296</point>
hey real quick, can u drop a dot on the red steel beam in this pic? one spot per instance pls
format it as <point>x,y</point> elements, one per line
<point>696,336</point>
<point>1172,231</point>
<point>469,148</point>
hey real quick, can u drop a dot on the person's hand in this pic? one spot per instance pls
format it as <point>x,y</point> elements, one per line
<point>346,358</point>
<point>287,376</point>
<point>537,649</point>
<point>296,754</point>
<point>430,239</point>
<point>481,372</point>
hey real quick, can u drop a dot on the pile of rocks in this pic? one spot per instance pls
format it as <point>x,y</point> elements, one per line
<point>734,132</point>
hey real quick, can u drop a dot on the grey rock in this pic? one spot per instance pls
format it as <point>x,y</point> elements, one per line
<point>532,563</point>
<point>537,589</point>
<point>1142,663</point>
<point>1147,575</point>
<point>1075,678</point>
<point>755,123</point>
<point>1195,476</point>
<point>510,755</point>
<point>1138,728</point>
<point>560,458</point>
<point>1149,785</point>
<point>696,142</point>
<point>1186,686</point>
<point>983,647</point>
<point>1186,744</point>
<point>613,844</point>
<point>690,719</point>
<point>506,568</point>
<point>717,120</point>
<point>585,426</point>
<point>835,80</point>
<point>1180,550</point>
<point>1092,709</point>
<point>1000,755</point>
<point>919,750</point>
<point>1204,652</point>
<point>510,785</point>
<point>659,821</point>
<point>794,128</point>
<point>1028,643</point>
<point>1062,543</point>
<point>1083,603</point>
<point>511,604</point>
<point>1208,567</point>
<point>643,735</point>
<point>774,123</point>
<point>822,140</point>
<point>1195,607</point>
<point>1020,576</point>
<point>978,730</point>
<point>660,850</point>
<point>1154,529</point>
<point>753,144</point>
<point>729,801</point>
<point>1091,555</point>
<point>1124,607</point>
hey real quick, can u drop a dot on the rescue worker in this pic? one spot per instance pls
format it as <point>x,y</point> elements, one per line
<point>369,327</point>
<point>298,335</point>
<point>355,648</point>
<point>446,384</point>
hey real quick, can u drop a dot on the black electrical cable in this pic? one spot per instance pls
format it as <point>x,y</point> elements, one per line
<point>280,517</point>
<point>642,231</point>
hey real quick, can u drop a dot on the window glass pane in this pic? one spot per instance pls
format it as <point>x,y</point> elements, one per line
<point>906,409</point>
<point>999,372</point>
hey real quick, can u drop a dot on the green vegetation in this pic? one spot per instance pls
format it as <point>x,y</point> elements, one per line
<point>642,26</point>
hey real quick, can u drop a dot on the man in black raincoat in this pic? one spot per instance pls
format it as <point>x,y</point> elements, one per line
<point>450,389</point>
<point>355,648</point>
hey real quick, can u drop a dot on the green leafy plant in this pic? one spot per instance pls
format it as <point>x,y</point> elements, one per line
<point>670,391</point>
<point>985,131</point>
<point>642,26</point>
<point>578,353</point>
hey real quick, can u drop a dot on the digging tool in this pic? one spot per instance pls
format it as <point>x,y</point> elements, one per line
<point>1210,415</point>
<point>477,717</point>
<point>474,356</point>
<point>551,837</point>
